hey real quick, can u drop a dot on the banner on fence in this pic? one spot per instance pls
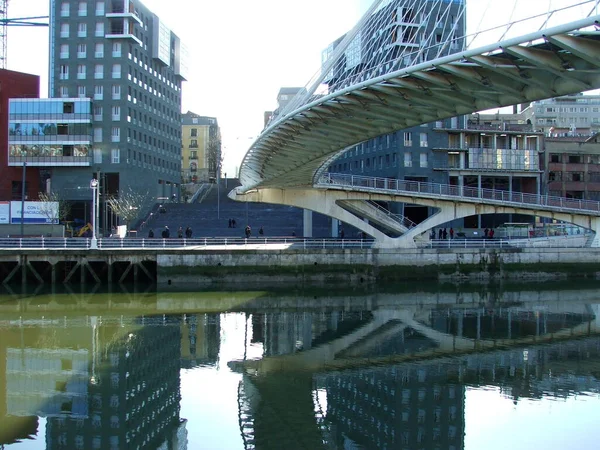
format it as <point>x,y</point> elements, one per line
<point>35,212</point>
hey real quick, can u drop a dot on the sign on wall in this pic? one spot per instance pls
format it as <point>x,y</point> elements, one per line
<point>35,212</point>
<point>4,212</point>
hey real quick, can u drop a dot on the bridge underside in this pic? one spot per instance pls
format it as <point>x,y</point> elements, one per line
<point>334,203</point>
<point>549,63</point>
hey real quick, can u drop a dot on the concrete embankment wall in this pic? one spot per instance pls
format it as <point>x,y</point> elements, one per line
<point>372,265</point>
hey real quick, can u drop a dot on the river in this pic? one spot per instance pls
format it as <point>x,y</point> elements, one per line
<point>404,367</point>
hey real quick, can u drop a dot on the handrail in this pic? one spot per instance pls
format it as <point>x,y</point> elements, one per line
<point>453,192</point>
<point>403,220</point>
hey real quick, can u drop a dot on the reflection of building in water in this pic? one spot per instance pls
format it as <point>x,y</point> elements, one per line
<point>288,332</point>
<point>200,340</point>
<point>503,323</point>
<point>12,428</point>
<point>104,385</point>
<point>421,405</point>
<point>133,400</point>
<point>403,407</point>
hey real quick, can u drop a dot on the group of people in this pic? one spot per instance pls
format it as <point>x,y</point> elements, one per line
<point>443,233</point>
<point>166,233</point>
<point>231,223</point>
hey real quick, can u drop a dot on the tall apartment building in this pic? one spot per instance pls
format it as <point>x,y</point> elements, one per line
<point>569,115</point>
<point>201,148</point>
<point>129,63</point>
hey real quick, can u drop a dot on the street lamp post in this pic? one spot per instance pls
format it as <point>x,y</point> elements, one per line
<point>94,188</point>
<point>23,199</point>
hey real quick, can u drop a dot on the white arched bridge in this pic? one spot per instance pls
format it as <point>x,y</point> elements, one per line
<point>418,84</point>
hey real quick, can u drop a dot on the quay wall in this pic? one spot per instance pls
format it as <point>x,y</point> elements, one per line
<point>373,265</point>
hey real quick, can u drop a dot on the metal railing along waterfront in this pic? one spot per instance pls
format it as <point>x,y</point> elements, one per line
<point>42,243</point>
<point>453,192</point>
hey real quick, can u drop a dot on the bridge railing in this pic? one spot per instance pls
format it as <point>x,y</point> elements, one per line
<point>403,220</point>
<point>428,189</point>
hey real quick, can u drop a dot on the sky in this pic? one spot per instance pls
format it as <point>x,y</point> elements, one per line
<point>241,53</point>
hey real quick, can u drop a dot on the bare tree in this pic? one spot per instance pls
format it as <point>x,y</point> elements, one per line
<point>215,158</point>
<point>128,204</point>
<point>54,214</point>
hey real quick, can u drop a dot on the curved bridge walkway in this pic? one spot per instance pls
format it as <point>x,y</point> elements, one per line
<point>349,198</point>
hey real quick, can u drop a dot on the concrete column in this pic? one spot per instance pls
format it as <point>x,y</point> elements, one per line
<point>460,324</point>
<point>478,325</point>
<point>461,184</point>
<point>308,224</point>
<point>479,192</point>
<point>335,225</point>
<point>509,320</point>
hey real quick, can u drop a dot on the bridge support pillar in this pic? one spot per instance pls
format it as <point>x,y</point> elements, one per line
<point>595,222</point>
<point>308,223</point>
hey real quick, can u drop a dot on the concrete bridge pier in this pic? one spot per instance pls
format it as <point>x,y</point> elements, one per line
<point>595,226</point>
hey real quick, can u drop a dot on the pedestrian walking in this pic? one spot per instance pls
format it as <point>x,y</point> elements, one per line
<point>229,225</point>
<point>248,231</point>
<point>150,233</point>
<point>188,232</point>
<point>445,234</point>
<point>261,231</point>
<point>232,223</point>
<point>486,233</point>
<point>451,233</point>
<point>440,234</point>
<point>342,233</point>
<point>180,233</point>
<point>166,233</point>
<point>491,234</point>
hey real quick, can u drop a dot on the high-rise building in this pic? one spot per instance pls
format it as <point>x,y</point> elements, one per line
<point>131,65</point>
<point>201,148</point>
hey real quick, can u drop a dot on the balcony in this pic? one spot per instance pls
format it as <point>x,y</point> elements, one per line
<point>50,161</point>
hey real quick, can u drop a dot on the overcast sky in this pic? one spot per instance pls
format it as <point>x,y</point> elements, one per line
<point>241,52</point>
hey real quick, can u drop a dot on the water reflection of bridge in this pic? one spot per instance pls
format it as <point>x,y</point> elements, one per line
<point>401,389</point>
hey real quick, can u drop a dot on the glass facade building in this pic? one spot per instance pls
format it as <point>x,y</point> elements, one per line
<point>50,132</point>
<point>119,55</point>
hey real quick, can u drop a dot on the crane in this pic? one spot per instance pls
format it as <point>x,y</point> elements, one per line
<point>5,22</point>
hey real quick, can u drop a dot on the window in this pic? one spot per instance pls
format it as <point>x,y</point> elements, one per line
<point>64,72</point>
<point>64,51</point>
<point>407,139</point>
<point>98,93</point>
<point>575,176</point>
<point>82,30</point>
<point>194,132</point>
<point>98,134</point>
<point>99,8</point>
<point>423,140</point>
<point>99,29</point>
<point>575,159</point>
<point>423,160</point>
<point>99,50</point>
<point>115,156</point>
<point>64,91</point>
<point>98,71</point>
<point>64,9</point>
<point>116,71</point>
<point>81,91</point>
<point>116,113</point>
<point>115,134</point>
<point>554,176</point>
<point>97,110</point>
<point>116,92</point>
<point>555,158</point>
<point>81,72</point>
<point>407,159</point>
<point>82,11</point>
<point>81,50</point>
<point>116,49</point>
<point>64,30</point>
